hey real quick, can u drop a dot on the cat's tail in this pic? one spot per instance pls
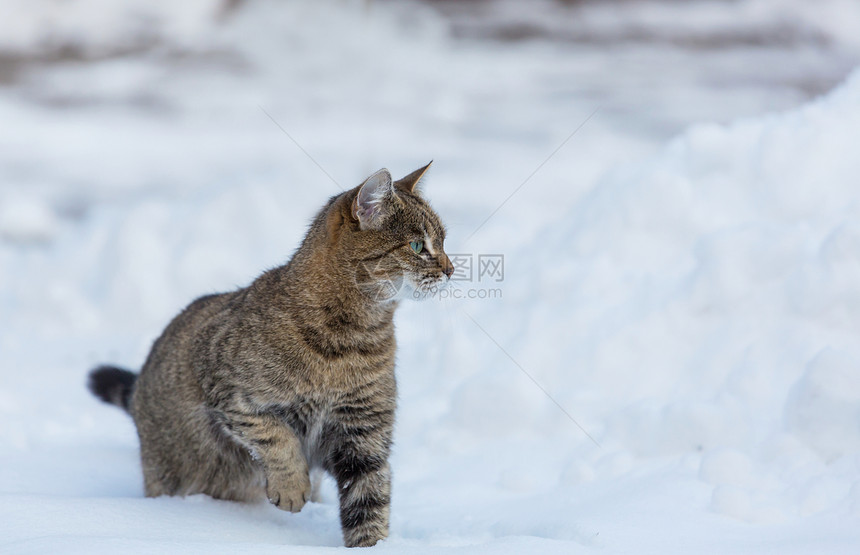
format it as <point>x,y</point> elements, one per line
<point>113,385</point>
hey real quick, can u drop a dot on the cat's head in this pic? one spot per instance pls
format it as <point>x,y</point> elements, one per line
<point>398,239</point>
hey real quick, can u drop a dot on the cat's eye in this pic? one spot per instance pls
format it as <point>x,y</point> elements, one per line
<point>417,246</point>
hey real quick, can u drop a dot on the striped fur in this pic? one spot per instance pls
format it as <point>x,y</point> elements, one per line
<point>246,391</point>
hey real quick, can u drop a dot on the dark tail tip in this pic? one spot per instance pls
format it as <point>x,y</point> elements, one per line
<point>112,385</point>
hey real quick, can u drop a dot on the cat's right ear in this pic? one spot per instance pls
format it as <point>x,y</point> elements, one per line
<point>410,182</point>
<point>369,204</point>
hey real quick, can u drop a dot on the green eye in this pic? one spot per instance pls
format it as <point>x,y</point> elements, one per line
<point>417,246</point>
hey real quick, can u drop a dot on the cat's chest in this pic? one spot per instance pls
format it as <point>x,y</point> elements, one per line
<point>305,416</point>
<point>312,422</point>
<point>318,422</point>
<point>344,352</point>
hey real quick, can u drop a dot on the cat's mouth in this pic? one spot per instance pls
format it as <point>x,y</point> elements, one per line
<point>427,287</point>
<point>393,286</point>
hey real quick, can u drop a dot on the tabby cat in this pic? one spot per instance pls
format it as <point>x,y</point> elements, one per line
<point>245,391</point>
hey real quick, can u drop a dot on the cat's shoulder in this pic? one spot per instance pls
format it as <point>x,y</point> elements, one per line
<point>203,309</point>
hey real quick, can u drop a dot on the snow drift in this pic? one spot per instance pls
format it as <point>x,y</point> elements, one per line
<point>696,313</point>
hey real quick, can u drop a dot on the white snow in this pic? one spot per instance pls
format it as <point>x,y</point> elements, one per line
<point>691,304</point>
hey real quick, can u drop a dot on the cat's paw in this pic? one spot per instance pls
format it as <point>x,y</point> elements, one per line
<point>289,492</point>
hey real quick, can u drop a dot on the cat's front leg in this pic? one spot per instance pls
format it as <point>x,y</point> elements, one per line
<point>360,466</point>
<point>288,484</point>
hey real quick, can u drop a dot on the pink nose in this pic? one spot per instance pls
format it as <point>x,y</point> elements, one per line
<point>447,267</point>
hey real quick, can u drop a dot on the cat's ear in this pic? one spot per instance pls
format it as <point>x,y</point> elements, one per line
<point>369,204</point>
<point>410,182</point>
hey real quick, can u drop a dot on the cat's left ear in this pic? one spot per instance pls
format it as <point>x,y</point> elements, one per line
<point>369,204</point>
<point>410,182</point>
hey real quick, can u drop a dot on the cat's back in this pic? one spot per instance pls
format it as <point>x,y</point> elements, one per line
<point>170,359</point>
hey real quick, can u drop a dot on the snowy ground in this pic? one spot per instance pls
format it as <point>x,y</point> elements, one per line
<point>687,293</point>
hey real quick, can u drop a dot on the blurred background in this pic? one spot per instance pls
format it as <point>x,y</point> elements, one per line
<point>675,265</point>
<point>104,102</point>
<point>122,121</point>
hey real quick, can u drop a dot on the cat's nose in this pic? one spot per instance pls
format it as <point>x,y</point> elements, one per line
<point>447,267</point>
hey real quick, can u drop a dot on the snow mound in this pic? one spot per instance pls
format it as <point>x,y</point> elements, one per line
<point>706,301</point>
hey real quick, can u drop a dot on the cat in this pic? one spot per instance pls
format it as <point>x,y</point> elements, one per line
<point>245,392</point>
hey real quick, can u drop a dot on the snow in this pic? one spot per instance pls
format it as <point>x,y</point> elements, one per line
<point>690,301</point>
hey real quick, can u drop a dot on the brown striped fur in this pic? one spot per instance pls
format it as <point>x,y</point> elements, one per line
<point>245,391</point>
